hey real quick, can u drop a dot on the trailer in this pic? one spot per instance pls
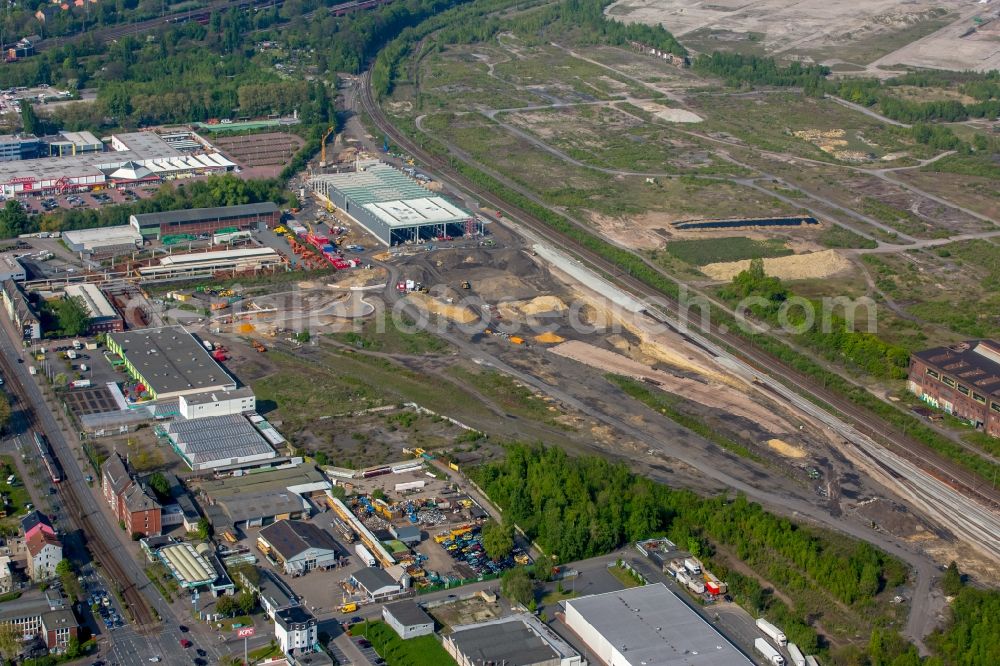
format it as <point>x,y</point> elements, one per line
<point>777,635</point>
<point>796,654</point>
<point>365,555</point>
<point>696,586</point>
<point>772,656</point>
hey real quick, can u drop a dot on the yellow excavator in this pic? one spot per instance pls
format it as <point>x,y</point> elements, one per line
<point>322,150</point>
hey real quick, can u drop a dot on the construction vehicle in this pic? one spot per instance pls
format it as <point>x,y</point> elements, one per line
<point>466,285</point>
<point>260,348</point>
<point>322,150</point>
<point>349,607</point>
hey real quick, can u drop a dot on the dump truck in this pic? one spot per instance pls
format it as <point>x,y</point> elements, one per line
<point>767,650</point>
<point>777,635</point>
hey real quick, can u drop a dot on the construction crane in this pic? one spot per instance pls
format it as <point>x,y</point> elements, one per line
<point>322,150</point>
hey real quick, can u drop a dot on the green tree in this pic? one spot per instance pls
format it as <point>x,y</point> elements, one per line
<point>72,315</point>
<point>29,119</point>
<point>498,539</point>
<point>73,648</point>
<point>64,567</point>
<point>517,585</point>
<point>13,220</point>
<point>951,582</point>
<point>10,641</point>
<point>378,494</point>
<point>321,458</point>
<point>160,485</point>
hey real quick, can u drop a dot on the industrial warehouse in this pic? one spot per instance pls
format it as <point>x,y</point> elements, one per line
<point>102,316</point>
<point>648,624</point>
<point>392,207</point>
<point>82,162</point>
<point>197,221</point>
<point>195,264</point>
<point>962,380</point>
<point>169,362</point>
<point>103,241</point>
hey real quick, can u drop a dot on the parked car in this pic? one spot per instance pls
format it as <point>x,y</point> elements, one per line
<point>185,643</point>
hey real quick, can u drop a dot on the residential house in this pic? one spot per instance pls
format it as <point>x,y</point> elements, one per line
<point>296,630</point>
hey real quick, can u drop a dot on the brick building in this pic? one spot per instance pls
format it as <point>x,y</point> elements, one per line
<point>130,500</point>
<point>962,380</point>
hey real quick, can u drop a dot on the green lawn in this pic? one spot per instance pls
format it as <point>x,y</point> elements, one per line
<point>733,248</point>
<point>420,651</point>
<point>624,576</point>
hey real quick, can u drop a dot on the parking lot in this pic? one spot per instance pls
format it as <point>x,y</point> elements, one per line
<point>82,200</point>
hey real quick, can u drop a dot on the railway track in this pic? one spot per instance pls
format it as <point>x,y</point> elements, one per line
<point>87,522</point>
<point>907,454</point>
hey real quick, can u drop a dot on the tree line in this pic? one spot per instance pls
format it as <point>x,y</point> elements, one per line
<point>862,349</point>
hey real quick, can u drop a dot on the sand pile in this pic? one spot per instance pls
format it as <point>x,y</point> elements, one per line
<point>793,267</point>
<point>532,307</point>
<point>456,313</point>
<point>549,338</point>
<point>786,449</point>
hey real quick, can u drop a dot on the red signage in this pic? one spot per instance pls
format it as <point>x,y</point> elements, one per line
<point>245,632</point>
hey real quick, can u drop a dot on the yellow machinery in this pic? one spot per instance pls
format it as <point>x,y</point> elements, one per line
<point>322,150</point>
<point>349,607</point>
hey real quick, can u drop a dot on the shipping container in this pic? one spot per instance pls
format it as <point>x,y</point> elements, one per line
<point>696,586</point>
<point>776,634</point>
<point>712,587</point>
<point>365,555</point>
<point>796,654</point>
<point>767,650</point>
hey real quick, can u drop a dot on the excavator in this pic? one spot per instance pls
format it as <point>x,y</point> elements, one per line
<point>322,150</point>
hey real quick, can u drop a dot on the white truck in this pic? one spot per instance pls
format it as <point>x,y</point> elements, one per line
<point>208,345</point>
<point>767,650</point>
<point>692,565</point>
<point>80,383</point>
<point>777,635</point>
<point>365,555</point>
<point>796,654</point>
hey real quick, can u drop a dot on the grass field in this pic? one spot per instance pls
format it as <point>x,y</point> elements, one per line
<point>391,340</point>
<point>734,248</point>
<point>419,651</point>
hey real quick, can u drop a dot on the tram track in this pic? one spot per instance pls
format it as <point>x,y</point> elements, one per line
<point>68,489</point>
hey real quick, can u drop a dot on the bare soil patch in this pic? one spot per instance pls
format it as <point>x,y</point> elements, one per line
<point>794,267</point>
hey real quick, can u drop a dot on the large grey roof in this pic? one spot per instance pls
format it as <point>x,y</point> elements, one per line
<point>171,360</point>
<point>503,642</point>
<point>293,537</point>
<point>974,363</point>
<point>199,214</point>
<point>216,438</point>
<point>657,626</point>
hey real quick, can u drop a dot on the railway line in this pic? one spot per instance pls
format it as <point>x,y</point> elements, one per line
<point>952,496</point>
<point>69,489</point>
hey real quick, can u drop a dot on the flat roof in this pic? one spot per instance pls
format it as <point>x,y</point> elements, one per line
<point>264,481</point>
<point>187,565</point>
<point>199,214</point>
<point>97,304</point>
<point>656,626</point>
<point>218,255</point>
<point>413,212</point>
<point>379,182</point>
<point>408,613</point>
<point>209,397</point>
<point>124,234</point>
<point>148,144</point>
<point>83,138</point>
<point>974,363</point>
<point>511,641</point>
<point>214,438</point>
<point>171,360</point>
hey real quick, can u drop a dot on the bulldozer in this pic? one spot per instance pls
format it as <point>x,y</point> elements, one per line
<point>260,348</point>
<point>466,285</point>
